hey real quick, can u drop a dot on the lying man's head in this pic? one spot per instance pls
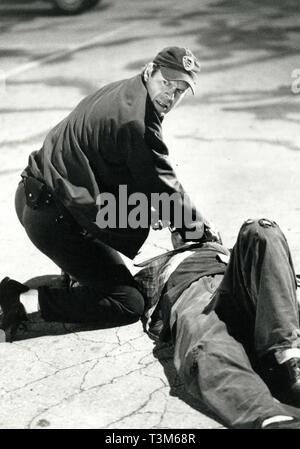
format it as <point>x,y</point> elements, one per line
<point>167,78</point>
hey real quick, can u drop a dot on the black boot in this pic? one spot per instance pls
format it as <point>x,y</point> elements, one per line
<point>291,372</point>
<point>13,311</point>
<point>283,379</point>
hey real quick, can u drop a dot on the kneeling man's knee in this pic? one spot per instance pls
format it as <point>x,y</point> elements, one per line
<point>134,300</point>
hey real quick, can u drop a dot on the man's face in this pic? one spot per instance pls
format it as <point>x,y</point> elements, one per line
<point>165,94</point>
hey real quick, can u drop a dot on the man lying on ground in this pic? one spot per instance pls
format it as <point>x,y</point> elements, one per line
<point>234,322</point>
<point>234,326</point>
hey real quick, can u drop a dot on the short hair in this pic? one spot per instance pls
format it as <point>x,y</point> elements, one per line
<point>155,68</point>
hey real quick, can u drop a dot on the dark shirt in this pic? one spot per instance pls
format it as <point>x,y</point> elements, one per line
<point>161,291</point>
<point>205,261</point>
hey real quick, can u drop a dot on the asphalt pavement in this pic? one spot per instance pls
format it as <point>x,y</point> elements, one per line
<point>235,147</point>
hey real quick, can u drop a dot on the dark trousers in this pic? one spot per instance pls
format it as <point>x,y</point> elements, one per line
<point>221,341</point>
<point>257,297</point>
<point>106,292</point>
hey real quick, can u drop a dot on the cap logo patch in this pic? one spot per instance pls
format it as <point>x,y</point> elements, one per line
<point>188,61</point>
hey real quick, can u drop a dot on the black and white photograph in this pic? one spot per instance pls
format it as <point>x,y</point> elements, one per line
<point>150,217</point>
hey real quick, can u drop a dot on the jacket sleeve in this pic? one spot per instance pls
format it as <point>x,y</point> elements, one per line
<point>152,173</point>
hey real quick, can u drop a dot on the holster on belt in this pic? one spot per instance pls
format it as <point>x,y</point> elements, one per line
<point>37,193</point>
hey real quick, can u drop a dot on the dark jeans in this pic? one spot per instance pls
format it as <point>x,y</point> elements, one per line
<point>254,311</point>
<point>257,297</point>
<point>106,294</point>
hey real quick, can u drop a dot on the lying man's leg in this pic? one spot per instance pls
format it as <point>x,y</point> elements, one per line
<point>257,300</point>
<point>214,366</point>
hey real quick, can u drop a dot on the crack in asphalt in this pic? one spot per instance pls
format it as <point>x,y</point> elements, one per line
<point>162,414</point>
<point>136,411</point>
<point>59,370</point>
<point>86,373</point>
<point>52,365</point>
<point>142,365</point>
<point>80,338</point>
<point>94,387</point>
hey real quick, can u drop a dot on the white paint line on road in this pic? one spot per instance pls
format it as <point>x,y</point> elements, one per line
<point>67,51</point>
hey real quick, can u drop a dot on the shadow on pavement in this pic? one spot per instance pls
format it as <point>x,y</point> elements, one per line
<point>16,13</point>
<point>164,354</point>
<point>221,29</point>
<point>37,327</point>
<point>249,26</point>
<point>257,30</point>
<point>224,28</point>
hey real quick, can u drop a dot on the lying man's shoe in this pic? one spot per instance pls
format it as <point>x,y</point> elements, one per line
<point>291,373</point>
<point>283,379</point>
<point>13,312</point>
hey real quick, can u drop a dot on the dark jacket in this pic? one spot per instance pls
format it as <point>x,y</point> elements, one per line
<point>112,138</point>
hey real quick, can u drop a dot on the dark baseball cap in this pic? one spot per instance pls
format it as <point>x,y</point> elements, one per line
<point>178,64</point>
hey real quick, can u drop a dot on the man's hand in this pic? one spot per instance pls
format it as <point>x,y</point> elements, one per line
<point>211,234</point>
<point>176,238</point>
<point>156,223</point>
<point>159,225</point>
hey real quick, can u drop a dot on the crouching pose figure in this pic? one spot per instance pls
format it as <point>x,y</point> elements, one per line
<point>109,146</point>
<point>234,326</point>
